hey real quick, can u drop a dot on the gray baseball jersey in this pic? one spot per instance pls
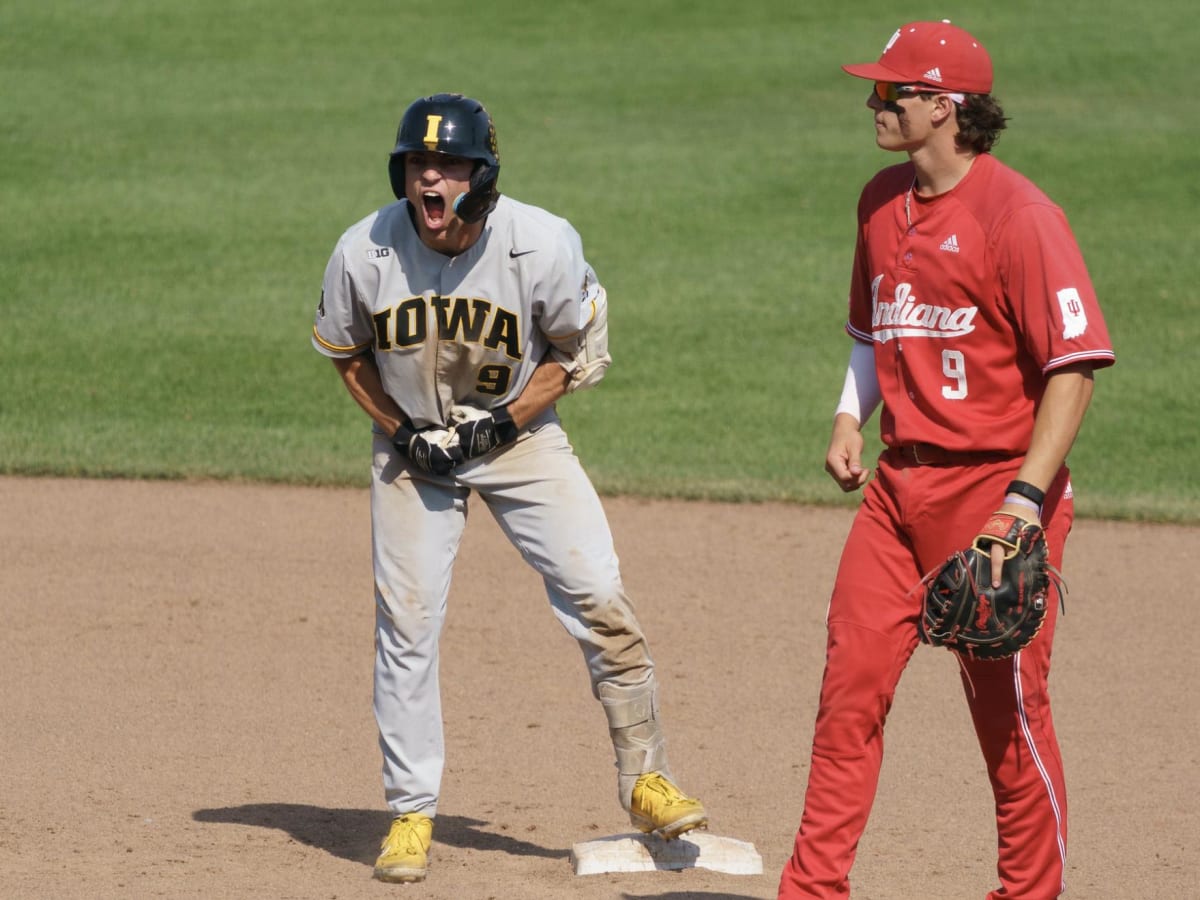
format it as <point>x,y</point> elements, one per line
<point>468,329</point>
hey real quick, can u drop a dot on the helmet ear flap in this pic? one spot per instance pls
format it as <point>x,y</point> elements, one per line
<point>482,197</point>
<point>396,175</point>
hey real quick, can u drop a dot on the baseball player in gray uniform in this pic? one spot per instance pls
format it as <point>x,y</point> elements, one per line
<point>456,318</point>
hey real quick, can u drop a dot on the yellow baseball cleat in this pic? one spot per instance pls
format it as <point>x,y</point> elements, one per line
<point>661,809</point>
<point>405,850</point>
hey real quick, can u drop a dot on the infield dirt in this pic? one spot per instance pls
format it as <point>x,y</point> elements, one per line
<point>185,705</point>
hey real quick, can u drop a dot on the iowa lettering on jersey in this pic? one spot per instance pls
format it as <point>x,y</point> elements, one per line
<point>463,320</point>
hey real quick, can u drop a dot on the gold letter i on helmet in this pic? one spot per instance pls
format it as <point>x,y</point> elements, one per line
<point>431,131</point>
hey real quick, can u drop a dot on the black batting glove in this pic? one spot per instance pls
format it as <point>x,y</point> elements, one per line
<point>480,436</point>
<point>424,453</point>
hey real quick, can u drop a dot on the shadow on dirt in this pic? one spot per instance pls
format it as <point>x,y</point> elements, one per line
<point>354,834</point>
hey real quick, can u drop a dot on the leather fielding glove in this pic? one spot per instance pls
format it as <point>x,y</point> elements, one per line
<point>427,455</point>
<point>483,434</point>
<point>964,612</point>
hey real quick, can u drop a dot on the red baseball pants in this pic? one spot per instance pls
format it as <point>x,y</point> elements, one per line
<point>912,518</point>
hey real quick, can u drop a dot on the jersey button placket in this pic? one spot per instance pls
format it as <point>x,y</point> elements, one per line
<point>904,248</point>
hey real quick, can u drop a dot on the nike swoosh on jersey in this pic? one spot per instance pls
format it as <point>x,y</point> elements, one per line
<point>513,254</point>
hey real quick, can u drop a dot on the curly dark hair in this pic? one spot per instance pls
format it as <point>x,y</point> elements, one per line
<point>980,121</point>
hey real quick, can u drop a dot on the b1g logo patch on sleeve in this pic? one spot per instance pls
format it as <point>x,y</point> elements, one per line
<point>1074,317</point>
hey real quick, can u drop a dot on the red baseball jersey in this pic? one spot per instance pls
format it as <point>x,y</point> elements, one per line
<point>970,298</point>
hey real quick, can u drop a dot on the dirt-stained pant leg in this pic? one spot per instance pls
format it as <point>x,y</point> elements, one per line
<point>416,528</point>
<point>546,505</point>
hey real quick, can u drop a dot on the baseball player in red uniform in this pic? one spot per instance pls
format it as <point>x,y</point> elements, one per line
<point>976,324</point>
<point>456,318</point>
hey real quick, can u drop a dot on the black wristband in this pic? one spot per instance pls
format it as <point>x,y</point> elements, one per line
<point>1026,490</point>
<point>506,428</point>
<point>402,437</point>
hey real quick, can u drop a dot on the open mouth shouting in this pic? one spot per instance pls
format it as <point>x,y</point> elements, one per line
<point>433,180</point>
<point>433,207</point>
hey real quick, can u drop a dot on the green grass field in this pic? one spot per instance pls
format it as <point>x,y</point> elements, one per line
<point>175,175</point>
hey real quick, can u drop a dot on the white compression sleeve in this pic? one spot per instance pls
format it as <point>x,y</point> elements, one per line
<point>860,394</point>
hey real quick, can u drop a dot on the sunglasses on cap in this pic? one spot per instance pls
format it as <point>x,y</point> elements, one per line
<point>889,92</point>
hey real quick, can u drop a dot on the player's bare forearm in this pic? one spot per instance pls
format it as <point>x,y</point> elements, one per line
<point>361,377</point>
<point>1065,400</point>
<point>1059,416</point>
<point>547,385</point>
<point>843,460</point>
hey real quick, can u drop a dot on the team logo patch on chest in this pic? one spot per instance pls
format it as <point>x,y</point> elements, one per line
<point>907,316</point>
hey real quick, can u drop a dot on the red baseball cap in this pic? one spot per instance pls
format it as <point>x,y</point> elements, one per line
<point>934,53</point>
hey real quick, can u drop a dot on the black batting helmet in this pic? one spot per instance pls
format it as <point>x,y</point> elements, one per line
<point>458,125</point>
